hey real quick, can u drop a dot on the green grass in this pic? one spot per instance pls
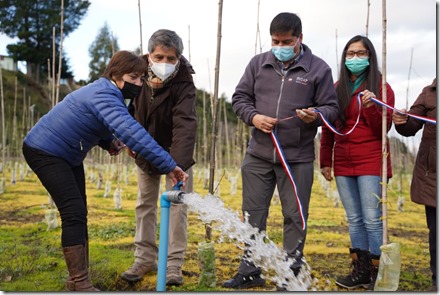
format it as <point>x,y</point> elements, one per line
<point>31,256</point>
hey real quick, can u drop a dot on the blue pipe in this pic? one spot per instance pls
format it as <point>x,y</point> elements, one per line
<point>166,198</point>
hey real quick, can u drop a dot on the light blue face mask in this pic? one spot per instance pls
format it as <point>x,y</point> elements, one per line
<point>356,65</point>
<point>284,53</point>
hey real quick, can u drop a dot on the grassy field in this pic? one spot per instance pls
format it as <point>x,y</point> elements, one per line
<point>31,256</point>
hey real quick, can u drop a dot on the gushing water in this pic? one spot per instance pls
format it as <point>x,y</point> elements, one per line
<point>265,253</point>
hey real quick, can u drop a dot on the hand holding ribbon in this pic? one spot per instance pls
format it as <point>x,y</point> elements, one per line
<point>264,123</point>
<point>400,118</point>
<point>403,112</point>
<point>307,115</point>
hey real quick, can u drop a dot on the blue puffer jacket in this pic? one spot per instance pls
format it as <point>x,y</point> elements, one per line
<point>89,116</point>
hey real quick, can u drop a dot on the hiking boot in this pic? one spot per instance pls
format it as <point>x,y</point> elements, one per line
<point>360,273</point>
<point>374,269</point>
<point>174,276</point>
<point>137,271</point>
<point>240,281</point>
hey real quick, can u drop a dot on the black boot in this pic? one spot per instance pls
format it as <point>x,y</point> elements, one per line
<point>78,280</point>
<point>360,273</point>
<point>374,269</point>
<point>240,281</point>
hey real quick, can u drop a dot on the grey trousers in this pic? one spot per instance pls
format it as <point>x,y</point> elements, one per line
<point>259,180</point>
<point>146,251</point>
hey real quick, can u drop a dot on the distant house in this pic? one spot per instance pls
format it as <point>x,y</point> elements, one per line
<point>8,63</point>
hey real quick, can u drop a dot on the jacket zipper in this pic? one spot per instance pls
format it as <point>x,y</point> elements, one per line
<point>277,113</point>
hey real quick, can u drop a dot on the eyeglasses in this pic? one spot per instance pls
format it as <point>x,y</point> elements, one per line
<point>361,54</point>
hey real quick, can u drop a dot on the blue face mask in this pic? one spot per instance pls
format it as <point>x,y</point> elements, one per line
<point>284,53</point>
<point>357,65</point>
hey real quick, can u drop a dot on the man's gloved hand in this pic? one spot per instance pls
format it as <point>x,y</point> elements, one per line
<point>116,147</point>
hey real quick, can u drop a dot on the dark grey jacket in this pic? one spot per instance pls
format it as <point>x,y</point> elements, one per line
<point>263,89</point>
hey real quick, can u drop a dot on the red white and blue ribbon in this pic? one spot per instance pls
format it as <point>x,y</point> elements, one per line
<point>289,174</point>
<point>426,119</point>
<point>330,126</point>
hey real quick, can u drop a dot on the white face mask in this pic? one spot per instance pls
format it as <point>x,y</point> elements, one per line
<point>162,69</point>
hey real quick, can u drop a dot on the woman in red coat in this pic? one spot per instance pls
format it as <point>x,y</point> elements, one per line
<point>356,158</point>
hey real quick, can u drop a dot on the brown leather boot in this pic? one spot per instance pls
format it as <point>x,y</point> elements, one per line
<point>86,252</point>
<point>77,265</point>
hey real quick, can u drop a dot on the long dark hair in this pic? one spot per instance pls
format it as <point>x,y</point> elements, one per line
<point>372,79</point>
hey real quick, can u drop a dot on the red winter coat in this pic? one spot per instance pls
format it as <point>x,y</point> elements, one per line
<point>360,152</point>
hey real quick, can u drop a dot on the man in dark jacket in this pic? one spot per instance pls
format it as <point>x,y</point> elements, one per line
<point>286,82</point>
<point>166,108</point>
<point>424,182</point>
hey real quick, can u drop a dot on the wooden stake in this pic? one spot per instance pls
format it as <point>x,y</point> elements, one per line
<point>368,18</point>
<point>60,60</point>
<point>215,104</point>
<point>140,25</point>
<point>384,126</point>
<point>3,126</point>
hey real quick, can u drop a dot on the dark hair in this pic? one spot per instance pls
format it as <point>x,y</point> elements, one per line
<point>167,39</point>
<point>372,80</point>
<point>124,62</point>
<point>286,22</point>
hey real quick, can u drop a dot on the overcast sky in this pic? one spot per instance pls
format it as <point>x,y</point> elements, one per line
<point>411,26</point>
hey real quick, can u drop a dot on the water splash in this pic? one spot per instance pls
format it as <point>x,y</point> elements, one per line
<point>265,253</point>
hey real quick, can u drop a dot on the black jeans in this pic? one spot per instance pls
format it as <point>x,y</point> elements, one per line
<point>431,220</point>
<point>67,187</point>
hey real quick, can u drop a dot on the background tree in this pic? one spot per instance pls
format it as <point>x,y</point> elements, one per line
<point>31,21</point>
<point>101,52</point>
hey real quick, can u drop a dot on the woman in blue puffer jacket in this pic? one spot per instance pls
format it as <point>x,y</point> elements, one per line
<point>57,145</point>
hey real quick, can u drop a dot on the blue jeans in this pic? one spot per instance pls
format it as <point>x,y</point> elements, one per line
<point>361,197</point>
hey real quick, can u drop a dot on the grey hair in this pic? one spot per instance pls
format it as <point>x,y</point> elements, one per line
<point>167,39</point>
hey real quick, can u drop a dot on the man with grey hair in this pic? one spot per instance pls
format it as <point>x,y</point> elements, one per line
<point>166,109</point>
